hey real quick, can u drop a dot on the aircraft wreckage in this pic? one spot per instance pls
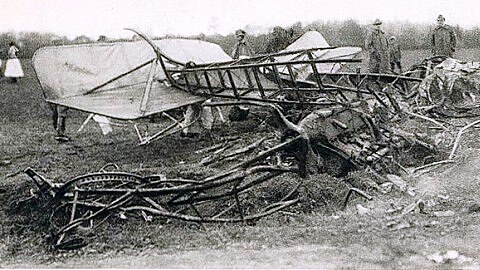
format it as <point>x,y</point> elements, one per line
<point>350,120</point>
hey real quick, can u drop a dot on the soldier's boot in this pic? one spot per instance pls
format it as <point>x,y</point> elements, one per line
<point>61,137</point>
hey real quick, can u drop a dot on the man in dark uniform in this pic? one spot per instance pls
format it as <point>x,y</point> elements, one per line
<point>443,39</point>
<point>377,47</point>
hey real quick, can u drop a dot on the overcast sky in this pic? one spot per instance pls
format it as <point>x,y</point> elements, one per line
<point>188,17</point>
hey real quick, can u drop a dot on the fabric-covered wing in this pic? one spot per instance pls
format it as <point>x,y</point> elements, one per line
<point>125,103</point>
<point>72,75</point>
<point>314,39</point>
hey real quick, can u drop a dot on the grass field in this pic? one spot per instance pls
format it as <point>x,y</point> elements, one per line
<point>323,237</point>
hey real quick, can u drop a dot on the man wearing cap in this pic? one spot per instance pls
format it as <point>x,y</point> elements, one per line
<point>241,49</point>
<point>377,46</point>
<point>443,39</point>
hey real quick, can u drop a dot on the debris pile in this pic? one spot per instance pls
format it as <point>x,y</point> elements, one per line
<point>86,200</point>
<point>451,88</point>
<point>367,122</point>
<point>372,130</point>
<point>390,123</point>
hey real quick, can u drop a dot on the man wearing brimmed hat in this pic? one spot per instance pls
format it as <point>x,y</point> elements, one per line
<point>376,45</point>
<point>241,49</point>
<point>443,39</point>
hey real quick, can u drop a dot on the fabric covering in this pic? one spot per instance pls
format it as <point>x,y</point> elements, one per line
<point>314,39</point>
<point>69,73</point>
<point>452,82</point>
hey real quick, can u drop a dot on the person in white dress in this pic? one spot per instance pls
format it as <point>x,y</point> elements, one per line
<point>13,67</point>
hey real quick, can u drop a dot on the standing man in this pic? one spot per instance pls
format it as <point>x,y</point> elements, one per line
<point>444,39</point>
<point>241,49</point>
<point>395,54</point>
<point>377,46</point>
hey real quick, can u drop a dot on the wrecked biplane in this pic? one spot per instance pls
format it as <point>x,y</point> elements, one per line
<point>129,80</point>
<point>353,117</point>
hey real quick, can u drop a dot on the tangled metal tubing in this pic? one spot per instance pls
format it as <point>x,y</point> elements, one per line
<point>227,197</point>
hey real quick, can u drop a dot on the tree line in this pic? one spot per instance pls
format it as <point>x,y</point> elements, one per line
<point>410,36</point>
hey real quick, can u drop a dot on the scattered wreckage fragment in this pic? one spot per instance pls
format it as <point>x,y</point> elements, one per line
<point>450,87</point>
<point>341,139</point>
<point>234,195</point>
<point>442,85</point>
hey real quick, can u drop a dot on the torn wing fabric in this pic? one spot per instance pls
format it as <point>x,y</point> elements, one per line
<point>314,39</point>
<point>311,39</point>
<point>452,81</point>
<point>104,124</point>
<point>68,74</point>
